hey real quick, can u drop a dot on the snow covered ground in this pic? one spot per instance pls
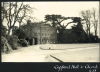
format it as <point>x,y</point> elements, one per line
<point>65,52</point>
<point>86,55</point>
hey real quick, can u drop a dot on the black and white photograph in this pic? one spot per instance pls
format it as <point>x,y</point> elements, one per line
<point>50,31</point>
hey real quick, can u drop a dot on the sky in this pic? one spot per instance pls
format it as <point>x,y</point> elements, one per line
<point>64,8</point>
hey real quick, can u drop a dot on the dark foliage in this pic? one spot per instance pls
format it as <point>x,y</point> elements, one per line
<point>76,19</point>
<point>5,47</point>
<point>3,30</point>
<point>21,34</point>
<point>13,41</point>
<point>24,43</point>
<point>94,39</point>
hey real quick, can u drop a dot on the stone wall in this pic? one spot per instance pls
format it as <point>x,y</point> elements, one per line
<point>48,34</point>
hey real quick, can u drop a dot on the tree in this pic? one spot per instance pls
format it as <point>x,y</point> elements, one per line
<point>87,16</point>
<point>95,21</point>
<point>3,30</point>
<point>3,12</point>
<point>56,20</point>
<point>91,20</point>
<point>15,12</point>
<point>21,34</point>
<point>24,15</point>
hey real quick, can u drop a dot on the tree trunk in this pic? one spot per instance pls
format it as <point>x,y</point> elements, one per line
<point>9,31</point>
<point>95,29</point>
<point>19,25</point>
<point>89,35</point>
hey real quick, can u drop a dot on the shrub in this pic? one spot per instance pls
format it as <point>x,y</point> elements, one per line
<point>12,40</point>
<point>24,43</point>
<point>21,34</point>
<point>5,47</point>
<point>3,40</point>
<point>19,44</point>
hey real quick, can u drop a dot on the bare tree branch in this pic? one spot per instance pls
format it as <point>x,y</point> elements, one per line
<point>17,14</point>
